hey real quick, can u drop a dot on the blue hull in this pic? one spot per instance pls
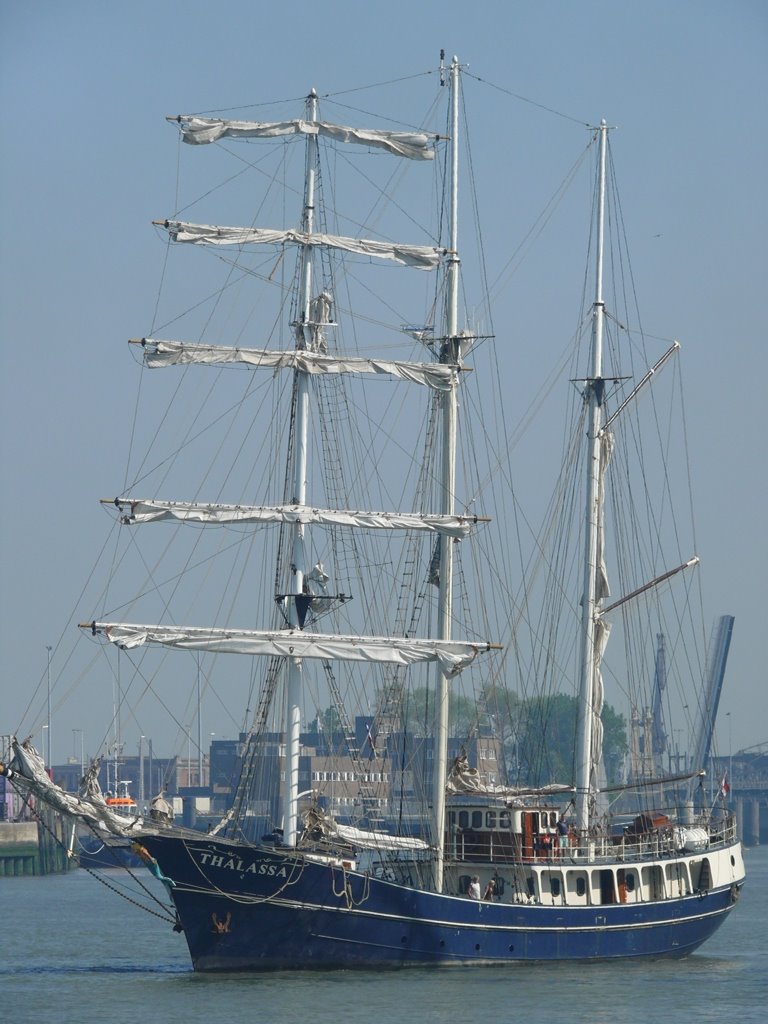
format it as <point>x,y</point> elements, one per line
<point>95,855</point>
<point>249,909</point>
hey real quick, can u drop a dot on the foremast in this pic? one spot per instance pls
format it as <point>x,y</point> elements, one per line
<point>450,354</point>
<point>309,357</point>
<point>298,567</point>
<point>594,629</point>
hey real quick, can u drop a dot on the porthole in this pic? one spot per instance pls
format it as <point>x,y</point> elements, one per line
<point>511,949</point>
<point>477,947</point>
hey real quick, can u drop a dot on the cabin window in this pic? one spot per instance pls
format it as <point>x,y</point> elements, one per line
<point>554,884</point>
<point>505,821</point>
<point>581,886</point>
<point>463,819</point>
<point>490,819</point>
<point>604,878</point>
<point>477,819</point>
<point>552,819</point>
<point>629,881</point>
<point>653,879</point>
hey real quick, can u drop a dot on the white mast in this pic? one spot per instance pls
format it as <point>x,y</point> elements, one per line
<point>450,354</point>
<point>592,569</point>
<point>298,568</point>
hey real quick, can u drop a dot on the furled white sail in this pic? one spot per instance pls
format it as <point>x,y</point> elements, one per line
<point>148,511</point>
<point>158,353</point>
<point>201,130</point>
<point>316,820</point>
<point>463,779</point>
<point>28,774</point>
<point>452,655</point>
<point>423,257</point>
<point>607,442</point>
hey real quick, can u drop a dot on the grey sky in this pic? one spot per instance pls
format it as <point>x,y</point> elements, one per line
<point>88,161</point>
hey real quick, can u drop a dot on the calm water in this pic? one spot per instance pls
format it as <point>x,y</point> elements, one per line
<point>74,952</point>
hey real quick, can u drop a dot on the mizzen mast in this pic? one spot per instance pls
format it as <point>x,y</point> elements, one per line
<point>594,629</point>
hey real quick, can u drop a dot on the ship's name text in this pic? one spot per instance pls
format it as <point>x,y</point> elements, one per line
<point>212,860</point>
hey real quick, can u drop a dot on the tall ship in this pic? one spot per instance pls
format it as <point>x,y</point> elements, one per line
<point>364,571</point>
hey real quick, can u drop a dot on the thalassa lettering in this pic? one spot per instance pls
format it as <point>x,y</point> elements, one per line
<point>213,860</point>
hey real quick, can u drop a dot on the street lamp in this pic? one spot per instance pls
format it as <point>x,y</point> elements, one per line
<point>141,770</point>
<point>48,758</point>
<point>82,749</point>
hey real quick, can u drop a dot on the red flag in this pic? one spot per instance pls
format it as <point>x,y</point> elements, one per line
<point>725,788</point>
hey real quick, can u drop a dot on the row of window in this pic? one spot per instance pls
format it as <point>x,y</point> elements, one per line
<point>545,821</point>
<point>474,819</point>
<point>349,777</point>
<point>351,801</point>
<point>483,754</point>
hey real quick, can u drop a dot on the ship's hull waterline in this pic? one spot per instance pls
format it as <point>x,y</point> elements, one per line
<point>252,909</point>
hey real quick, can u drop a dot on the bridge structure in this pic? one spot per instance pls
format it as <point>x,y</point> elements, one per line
<point>746,775</point>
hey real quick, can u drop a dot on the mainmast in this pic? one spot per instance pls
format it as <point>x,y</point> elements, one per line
<point>592,627</point>
<point>450,354</point>
<point>298,562</point>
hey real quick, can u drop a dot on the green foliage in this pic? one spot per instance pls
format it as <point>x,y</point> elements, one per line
<point>418,713</point>
<point>537,734</point>
<point>327,722</point>
<point>544,747</point>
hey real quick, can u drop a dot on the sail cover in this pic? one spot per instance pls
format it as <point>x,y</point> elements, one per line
<point>201,130</point>
<point>423,257</point>
<point>158,353</point>
<point>451,655</point>
<point>28,774</point>
<point>317,821</point>
<point>149,511</point>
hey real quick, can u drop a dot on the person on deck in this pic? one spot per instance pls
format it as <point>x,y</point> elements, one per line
<point>562,834</point>
<point>474,888</point>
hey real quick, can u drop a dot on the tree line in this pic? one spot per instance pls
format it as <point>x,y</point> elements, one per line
<point>537,735</point>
